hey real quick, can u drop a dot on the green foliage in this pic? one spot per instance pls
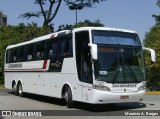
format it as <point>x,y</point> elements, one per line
<point>96,23</point>
<point>152,40</point>
<point>15,34</point>
<point>82,3</point>
<point>1,81</point>
<point>86,23</point>
<point>158,3</point>
<point>157,17</point>
<point>48,13</point>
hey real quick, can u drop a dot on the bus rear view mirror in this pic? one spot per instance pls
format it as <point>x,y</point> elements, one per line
<point>153,54</point>
<point>93,49</point>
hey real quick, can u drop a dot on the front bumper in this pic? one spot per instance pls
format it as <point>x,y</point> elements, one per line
<point>104,97</point>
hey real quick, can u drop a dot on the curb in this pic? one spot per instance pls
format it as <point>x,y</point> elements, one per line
<point>152,93</point>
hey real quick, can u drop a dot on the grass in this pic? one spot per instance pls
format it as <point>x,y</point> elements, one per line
<point>2,87</point>
<point>1,84</point>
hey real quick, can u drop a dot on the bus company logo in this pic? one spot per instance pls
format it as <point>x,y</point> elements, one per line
<point>15,66</point>
<point>6,113</point>
<point>124,85</point>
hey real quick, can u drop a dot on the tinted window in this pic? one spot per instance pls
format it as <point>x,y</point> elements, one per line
<point>20,54</point>
<point>8,56</point>
<point>83,57</point>
<point>56,50</point>
<point>51,48</point>
<point>39,50</point>
<point>29,52</point>
<point>116,38</point>
<point>13,56</point>
<point>65,48</point>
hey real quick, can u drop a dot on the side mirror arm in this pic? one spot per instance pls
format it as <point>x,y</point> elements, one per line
<point>153,54</point>
<point>93,49</point>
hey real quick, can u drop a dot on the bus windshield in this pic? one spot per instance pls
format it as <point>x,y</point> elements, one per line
<point>120,60</point>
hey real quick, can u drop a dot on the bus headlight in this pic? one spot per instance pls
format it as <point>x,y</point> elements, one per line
<point>142,88</point>
<point>103,88</point>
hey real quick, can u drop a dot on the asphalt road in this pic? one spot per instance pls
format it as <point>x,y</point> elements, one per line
<point>8,101</point>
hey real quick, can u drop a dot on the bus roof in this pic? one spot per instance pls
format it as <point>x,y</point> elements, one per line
<point>56,34</point>
<point>103,28</point>
<point>41,38</point>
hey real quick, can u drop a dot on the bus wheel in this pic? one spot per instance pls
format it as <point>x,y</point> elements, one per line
<point>14,89</point>
<point>20,90</point>
<point>68,97</point>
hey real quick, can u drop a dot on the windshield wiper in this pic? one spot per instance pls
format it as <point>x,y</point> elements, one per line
<point>131,72</point>
<point>116,74</point>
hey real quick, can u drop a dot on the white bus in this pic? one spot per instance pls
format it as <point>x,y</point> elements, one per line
<point>89,64</point>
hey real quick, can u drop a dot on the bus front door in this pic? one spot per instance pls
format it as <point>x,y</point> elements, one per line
<point>86,75</point>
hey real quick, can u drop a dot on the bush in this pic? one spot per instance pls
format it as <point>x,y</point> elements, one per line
<point>152,40</point>
<point>15,34</point>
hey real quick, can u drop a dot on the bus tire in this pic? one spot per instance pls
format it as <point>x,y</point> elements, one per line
<point>68,97</point>
<point>14,89</point>
<point>20,90</point>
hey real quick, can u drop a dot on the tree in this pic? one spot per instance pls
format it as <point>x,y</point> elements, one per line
<point>54,5</point>
<point>152,40</point>
<point>15,34</point>
<point>158,3</point>
<point>48,16</point>
<point>96,23</point>
<point>86,23</point>
<point>157,17</point>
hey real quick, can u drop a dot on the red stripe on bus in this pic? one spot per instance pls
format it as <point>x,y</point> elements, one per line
<point>52,36</point>
<point>44,64</point>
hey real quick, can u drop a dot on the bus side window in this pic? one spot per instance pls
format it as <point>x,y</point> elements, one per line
<point>13,55</point>
<point>66,47</point>
<point>30,52</point>
<point>62,51</point>
<point>14,58</point>
<point>50,53</point>
<point>70,48</point>
<point>20,53</point>
<point>51,48</point>
<point>39,50</point>
<point>8,59</point>
<point>39,55</point>
<point>25,56</point>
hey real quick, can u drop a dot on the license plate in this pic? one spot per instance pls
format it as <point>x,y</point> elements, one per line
<point>124,97</point>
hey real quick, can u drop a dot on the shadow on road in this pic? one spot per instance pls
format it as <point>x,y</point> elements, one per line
<point>46,99</point>
<point>85,106</point>
<point>109,107</point>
